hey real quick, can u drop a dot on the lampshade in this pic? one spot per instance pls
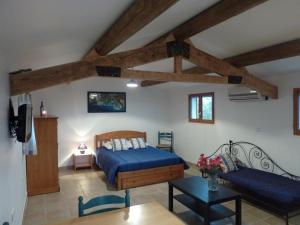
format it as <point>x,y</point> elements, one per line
<point>132,84</point>
<point>82,146</point>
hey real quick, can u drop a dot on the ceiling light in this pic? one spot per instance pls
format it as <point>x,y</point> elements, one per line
<point>132,84</point>
<point>252,91</point>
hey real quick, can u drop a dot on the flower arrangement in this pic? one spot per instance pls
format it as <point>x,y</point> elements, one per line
<point>210,166</point>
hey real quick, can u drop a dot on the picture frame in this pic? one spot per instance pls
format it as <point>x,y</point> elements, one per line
<point>106,102</point>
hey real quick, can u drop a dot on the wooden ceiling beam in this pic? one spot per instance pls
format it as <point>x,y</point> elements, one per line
<point>172,77</point>
<point>34,80</point>
<point>134,57</point>
<point>211,63</point>
<point>139,14</point>
<point>267,54</point>
<point>178,64</point>
<point>217,13</point>
<point>47,77</point>
<point>147,83</point>
<point>177,69</point>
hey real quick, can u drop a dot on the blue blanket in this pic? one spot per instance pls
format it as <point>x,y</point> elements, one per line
<point>134,159</point>
<point>277,188</point>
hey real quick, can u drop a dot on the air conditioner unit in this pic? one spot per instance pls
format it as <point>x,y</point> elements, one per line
<point>244,94</point>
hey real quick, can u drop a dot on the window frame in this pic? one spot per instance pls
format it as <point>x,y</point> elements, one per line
<point>296,94</point>
<point>201,95</point>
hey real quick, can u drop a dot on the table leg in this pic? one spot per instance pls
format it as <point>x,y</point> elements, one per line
<point>170,198</point>
<point>238,211</point>
<point>206,215</point>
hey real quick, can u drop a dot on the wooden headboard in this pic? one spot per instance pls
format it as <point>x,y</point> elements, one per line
<point>117,134</point>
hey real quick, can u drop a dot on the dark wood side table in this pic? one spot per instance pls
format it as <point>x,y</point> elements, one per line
<point>205,203</point>
<point>82,160</point>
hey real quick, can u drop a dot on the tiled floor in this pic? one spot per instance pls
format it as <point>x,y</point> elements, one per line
<point>50,208</point>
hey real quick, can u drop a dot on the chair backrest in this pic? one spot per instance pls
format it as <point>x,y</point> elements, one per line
<point>166,136</point>
<point>100,201</point>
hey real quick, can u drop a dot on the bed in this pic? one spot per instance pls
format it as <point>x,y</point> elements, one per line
<point>138,167</point>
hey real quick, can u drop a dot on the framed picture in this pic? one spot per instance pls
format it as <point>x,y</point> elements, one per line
<point>102,102</point>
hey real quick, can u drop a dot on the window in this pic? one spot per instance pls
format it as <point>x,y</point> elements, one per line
<point>201,108</point>
<point>296,111</point>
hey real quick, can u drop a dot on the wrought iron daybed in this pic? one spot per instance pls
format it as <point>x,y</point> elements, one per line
<point>261,181</point>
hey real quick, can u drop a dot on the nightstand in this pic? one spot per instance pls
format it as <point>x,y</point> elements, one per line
<point>82,160</point>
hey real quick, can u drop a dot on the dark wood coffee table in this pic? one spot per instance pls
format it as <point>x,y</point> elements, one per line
<point>205,203</point>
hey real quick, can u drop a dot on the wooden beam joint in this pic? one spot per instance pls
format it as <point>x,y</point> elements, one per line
<point>235,79</point>
<point>178,48</point>
<point>108,71</point>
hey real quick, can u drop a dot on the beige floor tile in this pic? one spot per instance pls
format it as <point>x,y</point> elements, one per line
<point>275,221</point>
<point>295,220</point>
<point>35,211</point>
<point>259,213</point>
<point>37,219</point>
<point>55,207</point>
<point>58,215</point>
<point>38,201</point>
<point>248,217</point>
<point>259,222</point>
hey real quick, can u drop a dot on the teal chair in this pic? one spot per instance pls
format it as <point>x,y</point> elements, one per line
<point>5,223</point>
<point>100,201</point>
<point>165,141</point>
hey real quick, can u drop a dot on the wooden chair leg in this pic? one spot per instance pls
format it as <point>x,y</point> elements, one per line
<point>127,198</point>
<point>80,206</point>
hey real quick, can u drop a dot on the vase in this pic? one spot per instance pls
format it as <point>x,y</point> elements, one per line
<point>212,182</point>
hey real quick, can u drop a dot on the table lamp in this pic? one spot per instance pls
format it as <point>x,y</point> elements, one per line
<point>82,147</point>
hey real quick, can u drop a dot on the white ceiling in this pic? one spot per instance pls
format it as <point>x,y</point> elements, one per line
<point>41,33</point>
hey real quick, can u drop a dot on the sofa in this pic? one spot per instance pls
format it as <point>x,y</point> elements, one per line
<point>260,180</point>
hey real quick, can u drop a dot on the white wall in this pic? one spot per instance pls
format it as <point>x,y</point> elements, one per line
<point>267,124</point>
<point>12,162</point>
<point>147,110</point>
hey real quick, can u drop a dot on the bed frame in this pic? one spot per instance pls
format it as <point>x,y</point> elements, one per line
<point>138,178</point>
<point>253,156</point>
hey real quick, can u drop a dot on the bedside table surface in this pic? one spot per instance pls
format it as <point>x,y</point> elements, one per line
<point>82,160</point>
<point>87,153</point>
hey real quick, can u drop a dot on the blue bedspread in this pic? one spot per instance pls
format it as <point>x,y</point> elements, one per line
<point>280,189</point>
<point>134,159</point>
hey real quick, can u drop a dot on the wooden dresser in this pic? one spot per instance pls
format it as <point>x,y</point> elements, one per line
<point>42,169</point>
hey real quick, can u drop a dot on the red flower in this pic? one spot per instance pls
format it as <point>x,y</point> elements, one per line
<point>210,165</point>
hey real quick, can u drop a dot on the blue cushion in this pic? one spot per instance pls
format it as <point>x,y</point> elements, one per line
<point>279,189</point>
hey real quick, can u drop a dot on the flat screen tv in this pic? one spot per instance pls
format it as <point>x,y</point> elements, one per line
<point>24,124</point>
<point>12,121</point>
<point>103,102</point>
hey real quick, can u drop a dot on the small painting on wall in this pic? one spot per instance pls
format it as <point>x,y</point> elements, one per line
<point>102,102</point>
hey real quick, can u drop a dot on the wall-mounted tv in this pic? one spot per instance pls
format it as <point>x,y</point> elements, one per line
<point>104,102</point>
<point>21,126</point>
<point>24,123</point>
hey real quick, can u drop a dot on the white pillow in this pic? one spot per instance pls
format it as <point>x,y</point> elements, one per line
<point>119,144</point>
<point>228,163</point>
<point>138,143</point>
<point>129,144</point>
<point>107,145</point>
